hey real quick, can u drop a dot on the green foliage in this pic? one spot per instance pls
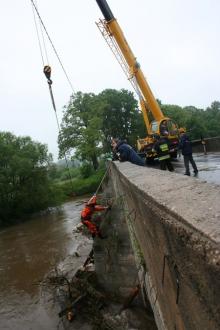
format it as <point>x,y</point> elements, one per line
<point>89,120</point>
<point>63,173</point>
<point>81,128</point>
<point>86,170</point>
<point>81,186</point>
<point>66,174</point>
<point>25,186</point>
<point>119,116</point>
<point>198,122</point>
<point>212,119</point>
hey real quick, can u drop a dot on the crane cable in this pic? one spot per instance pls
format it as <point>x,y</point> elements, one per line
<point>47,72</point>
<point>55,51</point>
<point>38,36</point>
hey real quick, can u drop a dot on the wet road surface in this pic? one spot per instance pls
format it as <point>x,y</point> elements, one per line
<point>208,166</point>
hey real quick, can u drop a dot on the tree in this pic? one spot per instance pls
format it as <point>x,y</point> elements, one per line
<point>24,183</point>
<point>89,120</point>
<point>189,117</point>
<point>212,119</point>
<point>81,128</point>
<point>120,116</point>
<point>195,125</point>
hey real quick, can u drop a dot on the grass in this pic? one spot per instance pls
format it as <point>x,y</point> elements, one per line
<point>80,186</point>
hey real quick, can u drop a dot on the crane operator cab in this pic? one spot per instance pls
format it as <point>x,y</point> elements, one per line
<point>166,127</point>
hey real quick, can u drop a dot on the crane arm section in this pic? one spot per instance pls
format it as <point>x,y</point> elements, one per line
<point>147,99</point>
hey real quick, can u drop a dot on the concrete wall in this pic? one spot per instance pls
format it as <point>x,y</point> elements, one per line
<point>176,224</point>
<point>114,256</point>
<point>212,145</point>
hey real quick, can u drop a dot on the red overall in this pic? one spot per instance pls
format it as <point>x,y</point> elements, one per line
<point>86,215</point>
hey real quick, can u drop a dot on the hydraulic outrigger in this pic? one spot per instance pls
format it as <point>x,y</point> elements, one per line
<point>114,37</point>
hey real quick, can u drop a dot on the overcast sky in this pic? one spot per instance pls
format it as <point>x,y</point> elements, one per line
<point>175,41</point>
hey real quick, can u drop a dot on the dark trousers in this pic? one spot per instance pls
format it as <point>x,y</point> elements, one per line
<point>187,159</point>
<point>166,163</point>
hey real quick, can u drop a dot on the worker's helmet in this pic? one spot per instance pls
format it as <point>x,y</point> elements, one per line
<point>92,201</point>
<point>182,130</point>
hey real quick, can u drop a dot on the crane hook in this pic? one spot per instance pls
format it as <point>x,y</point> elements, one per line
<point>47,72</point>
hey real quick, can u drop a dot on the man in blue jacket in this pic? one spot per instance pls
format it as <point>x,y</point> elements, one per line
<point>125,152</point>
<point>186,147</point>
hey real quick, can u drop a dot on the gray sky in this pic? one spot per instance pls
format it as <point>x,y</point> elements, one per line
<point>175,41</point>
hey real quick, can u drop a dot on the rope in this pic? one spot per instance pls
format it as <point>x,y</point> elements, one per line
<point>55,51</point>
<point>38,37</point>
<point>104,176</point>
<point>49,81</point>
<point>47,72</point>
<point>45,48</point>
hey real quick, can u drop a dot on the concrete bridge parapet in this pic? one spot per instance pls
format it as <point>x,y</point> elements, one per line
<point>211,144</point>
<point>176,224</point>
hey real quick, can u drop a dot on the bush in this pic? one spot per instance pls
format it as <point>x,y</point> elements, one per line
<point>26,184</point>
<point>72,172</point>
<point>82,186</point>
<point>86,170</point>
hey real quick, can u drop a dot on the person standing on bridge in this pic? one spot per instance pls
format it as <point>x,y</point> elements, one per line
<point>125,152</point>
<point>186,147</point>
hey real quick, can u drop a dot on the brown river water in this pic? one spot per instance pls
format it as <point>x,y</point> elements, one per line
<point>28,251</point>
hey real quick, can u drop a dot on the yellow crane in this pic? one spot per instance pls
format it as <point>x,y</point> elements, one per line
<point>155,121</point>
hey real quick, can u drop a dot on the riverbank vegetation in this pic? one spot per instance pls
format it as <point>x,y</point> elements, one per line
<point>31,182</point>
<point>77,181</point>
<point>25,186</point>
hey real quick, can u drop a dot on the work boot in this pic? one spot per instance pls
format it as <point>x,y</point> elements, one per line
<point>187,173</point>
<point>196,173</point>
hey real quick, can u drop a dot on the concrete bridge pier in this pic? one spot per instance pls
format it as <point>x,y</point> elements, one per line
<point>114,256</point>
<point>168,225</point>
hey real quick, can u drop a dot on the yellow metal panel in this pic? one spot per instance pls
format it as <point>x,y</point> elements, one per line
<point>135,69</point>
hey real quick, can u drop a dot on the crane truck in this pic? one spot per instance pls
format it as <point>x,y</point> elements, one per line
<point>154,119</point>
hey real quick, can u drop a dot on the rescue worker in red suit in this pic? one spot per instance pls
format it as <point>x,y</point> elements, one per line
<point>86,216</point>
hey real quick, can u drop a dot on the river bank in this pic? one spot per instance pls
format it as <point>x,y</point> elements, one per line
<point>73,293</point>
<point>29,252</point>
<point>62,191</point>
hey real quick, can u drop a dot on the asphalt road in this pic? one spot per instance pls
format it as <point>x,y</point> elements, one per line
<point>208,166</point>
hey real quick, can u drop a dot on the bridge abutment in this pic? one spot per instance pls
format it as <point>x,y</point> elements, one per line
<point>170,226</point>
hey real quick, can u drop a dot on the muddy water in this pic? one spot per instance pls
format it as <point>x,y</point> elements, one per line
<point>28,252</point>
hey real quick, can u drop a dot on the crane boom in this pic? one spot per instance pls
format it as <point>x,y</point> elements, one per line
<point>114,36</point>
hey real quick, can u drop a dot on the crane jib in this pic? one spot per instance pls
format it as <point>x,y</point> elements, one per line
<point>117,42</point>
<point>105,9</point>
